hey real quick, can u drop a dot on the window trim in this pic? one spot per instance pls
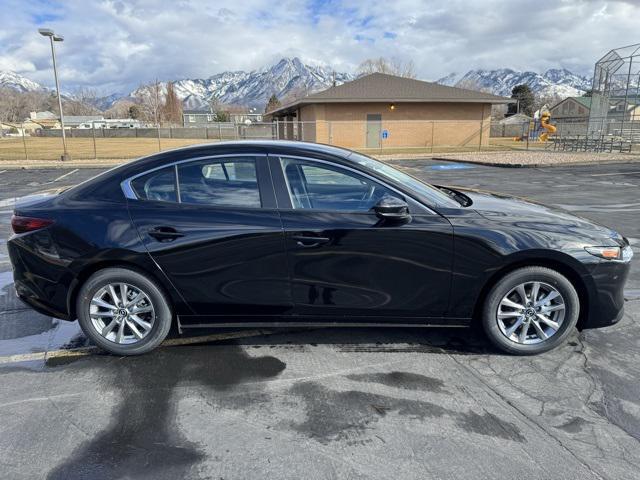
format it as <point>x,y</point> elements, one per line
<point>278,158</point>
<point>130,193</point>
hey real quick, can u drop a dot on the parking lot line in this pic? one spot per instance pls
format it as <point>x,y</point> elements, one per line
<point>66,175</point>
<point>85,351</point>
<point>611,174</point>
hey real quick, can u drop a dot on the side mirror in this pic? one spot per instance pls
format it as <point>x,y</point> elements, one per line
<point>392,208</point>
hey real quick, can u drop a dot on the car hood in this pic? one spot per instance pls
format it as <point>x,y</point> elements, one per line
<point>528,214</point>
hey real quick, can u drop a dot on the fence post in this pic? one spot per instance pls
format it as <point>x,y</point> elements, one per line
<point>158,131</point>
<point>219,131</point>
<point>433,126</point>
<point>24,143</point>
<point>93,134</point>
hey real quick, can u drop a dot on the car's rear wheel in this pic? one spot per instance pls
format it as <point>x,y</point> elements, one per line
<point>530,310</point>
<point>123,312</point>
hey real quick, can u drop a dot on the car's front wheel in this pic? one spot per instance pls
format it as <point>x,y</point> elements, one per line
<point>123,312</point>
<point>530,310</point>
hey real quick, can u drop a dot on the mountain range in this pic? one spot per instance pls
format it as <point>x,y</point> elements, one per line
<point>15,81</point>
<point>291,77</point>
<point>554,83</point>
<point>288,77</point>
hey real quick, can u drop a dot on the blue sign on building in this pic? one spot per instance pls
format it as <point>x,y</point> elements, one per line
<point>385,134</point>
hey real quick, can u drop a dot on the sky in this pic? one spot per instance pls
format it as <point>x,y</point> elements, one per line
<point>115,45</point>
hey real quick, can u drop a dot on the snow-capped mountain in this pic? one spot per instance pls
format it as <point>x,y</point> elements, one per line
<point>553,83</point>
<point>15,81</point>
<point>288,77</point>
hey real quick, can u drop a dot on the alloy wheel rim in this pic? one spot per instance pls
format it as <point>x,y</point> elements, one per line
<point>531,312</point>
<point>122,313</point>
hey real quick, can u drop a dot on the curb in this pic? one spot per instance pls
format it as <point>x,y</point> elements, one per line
<point>536,165</point>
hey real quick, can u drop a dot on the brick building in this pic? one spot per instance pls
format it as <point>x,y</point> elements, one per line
<point>386,111</point>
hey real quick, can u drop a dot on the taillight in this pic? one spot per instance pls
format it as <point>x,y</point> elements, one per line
<point>28,224</point>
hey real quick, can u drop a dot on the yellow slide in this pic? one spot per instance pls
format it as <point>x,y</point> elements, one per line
<point>544,123</point>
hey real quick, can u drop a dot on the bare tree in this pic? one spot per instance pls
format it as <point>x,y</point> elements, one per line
<point>548,100</point>
<point>151,98</point>
<point>15,106</point>
<point>390,66</point>
<point>121,109</point>
<point>82,102</point>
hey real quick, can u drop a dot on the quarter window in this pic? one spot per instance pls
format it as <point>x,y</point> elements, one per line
<point>220,182</point>
<point>324,187</point>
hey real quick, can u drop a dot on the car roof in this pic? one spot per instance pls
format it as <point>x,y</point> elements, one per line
<point>276,147</point>
<point>156,160</point>
<point>267,144</point>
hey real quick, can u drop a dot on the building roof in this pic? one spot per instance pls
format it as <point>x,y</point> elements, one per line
<point>70,119</point>
<point>46,115</point>
<point>515,118</point>
<point>584,101</point>
<point>380,87</point>
<point>196,112</point>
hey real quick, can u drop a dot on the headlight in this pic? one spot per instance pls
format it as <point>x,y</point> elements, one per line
<point>612,253</point>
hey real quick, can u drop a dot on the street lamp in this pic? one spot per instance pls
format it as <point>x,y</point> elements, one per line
<point>47,32</point>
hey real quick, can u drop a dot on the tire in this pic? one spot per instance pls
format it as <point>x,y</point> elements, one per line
<point>152,312</point>
<point>560,314</point>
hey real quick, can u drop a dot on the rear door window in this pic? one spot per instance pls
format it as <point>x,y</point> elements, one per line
<point>228,182</point>
<point>159,185</point>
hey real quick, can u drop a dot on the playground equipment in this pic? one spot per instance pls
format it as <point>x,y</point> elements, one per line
<point>538,129</point>
<point>544,123</point>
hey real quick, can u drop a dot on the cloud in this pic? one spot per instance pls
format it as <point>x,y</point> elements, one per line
<point>115,45</point>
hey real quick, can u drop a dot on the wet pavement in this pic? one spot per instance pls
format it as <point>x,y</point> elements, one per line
<point>332,403</point>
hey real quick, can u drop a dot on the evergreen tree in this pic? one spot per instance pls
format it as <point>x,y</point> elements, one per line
<point>525,98</point>
<point>272,104</point>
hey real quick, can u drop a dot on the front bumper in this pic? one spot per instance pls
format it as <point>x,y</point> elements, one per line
<point>605,283</point>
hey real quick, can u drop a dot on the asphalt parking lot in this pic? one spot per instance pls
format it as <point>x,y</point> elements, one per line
<point>331,403</point>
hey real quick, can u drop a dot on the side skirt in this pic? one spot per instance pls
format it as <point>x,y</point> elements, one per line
<point>272,323</point>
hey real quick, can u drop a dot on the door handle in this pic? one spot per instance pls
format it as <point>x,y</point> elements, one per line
<point>165,234</point>
<point>308,241</point>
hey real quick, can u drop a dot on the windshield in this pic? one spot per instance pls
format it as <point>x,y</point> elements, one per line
<point>426,190</point>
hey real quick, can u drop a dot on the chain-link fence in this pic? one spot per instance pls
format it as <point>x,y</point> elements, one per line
<point>18,142</point>
<point>124,143</point>
<point>574,134</point>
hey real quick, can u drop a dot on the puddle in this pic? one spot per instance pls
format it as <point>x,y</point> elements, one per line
<point>455,166</point>
<point>17,335</point>
<point>342,415</point>
<point>6,279</point>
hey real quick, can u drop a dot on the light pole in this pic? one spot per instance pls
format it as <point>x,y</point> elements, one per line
<point>47,32</point>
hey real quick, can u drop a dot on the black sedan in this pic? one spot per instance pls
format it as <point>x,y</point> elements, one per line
<point>289,234</point>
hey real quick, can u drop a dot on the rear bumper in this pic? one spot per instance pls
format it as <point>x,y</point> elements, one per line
<point>40,282</point>
<point>39,306</point>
